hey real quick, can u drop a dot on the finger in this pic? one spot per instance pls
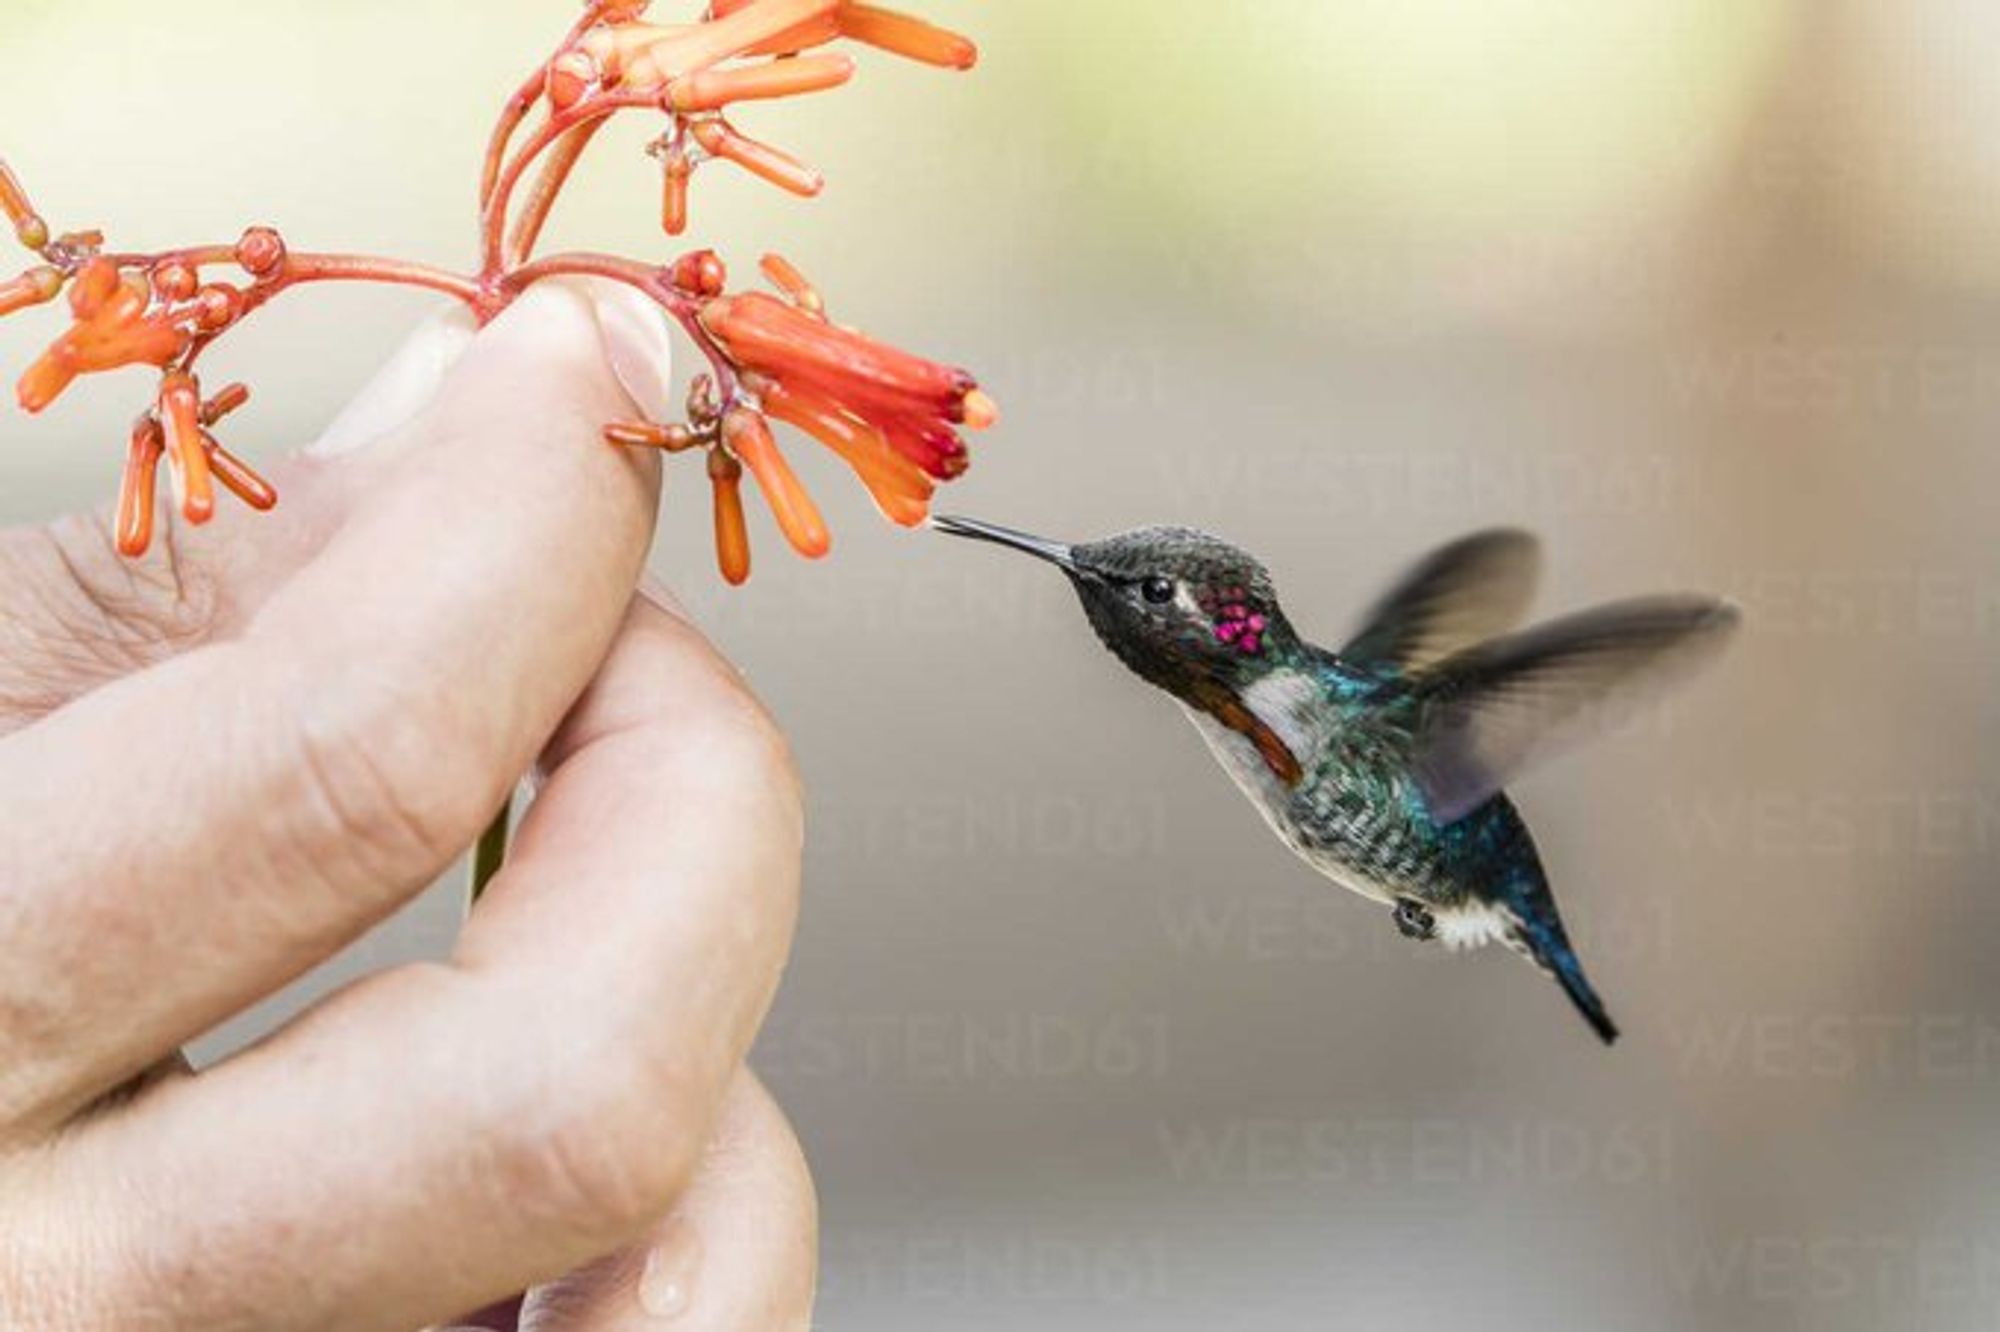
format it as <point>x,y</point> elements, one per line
<point>740,1253</point>
<point>78,614</point>
<point>184,840</point>
<point>434,1138</point>
<point>75,613</point>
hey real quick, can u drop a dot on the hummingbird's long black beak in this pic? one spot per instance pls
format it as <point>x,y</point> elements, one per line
<point>1063,557</point>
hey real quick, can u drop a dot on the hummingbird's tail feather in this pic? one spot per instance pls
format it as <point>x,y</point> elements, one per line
<point>1569,974</point>
<point>1540,935</point>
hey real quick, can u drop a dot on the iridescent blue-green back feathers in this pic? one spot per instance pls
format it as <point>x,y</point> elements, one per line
<point>1382,764</point>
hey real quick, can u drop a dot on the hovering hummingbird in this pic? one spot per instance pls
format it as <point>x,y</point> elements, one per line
<point>1381,764</point>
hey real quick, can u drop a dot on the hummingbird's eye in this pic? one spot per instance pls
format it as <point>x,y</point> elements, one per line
<point>1159,589</point>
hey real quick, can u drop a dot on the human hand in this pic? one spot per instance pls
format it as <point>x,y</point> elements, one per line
<point>225,762</point>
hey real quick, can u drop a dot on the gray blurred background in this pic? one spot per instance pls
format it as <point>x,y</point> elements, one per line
<point>1705,291</point>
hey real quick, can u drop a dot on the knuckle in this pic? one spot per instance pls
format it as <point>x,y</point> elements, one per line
<point>93,614</point>
<point>383,783</point>
<point>609,1152</point>
<point>744,758</point>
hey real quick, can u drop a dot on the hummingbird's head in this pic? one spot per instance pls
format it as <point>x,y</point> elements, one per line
<point>1185,610</point>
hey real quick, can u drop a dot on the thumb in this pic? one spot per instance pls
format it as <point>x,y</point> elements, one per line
<point>551,347</point>
<point>632,333</point>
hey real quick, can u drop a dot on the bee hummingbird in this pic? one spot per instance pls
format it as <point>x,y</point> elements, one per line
<point>1381,764</point>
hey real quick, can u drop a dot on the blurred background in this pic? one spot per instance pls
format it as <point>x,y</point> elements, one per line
<point>1705,291</point>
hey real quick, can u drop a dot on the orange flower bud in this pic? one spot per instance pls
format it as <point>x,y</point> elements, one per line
<point>695,48</point>
<point>788,279</point>
<point>174,280</point>
<point>228,399</point>
<point>261,252</point>
<point>747,436</point>
<point>648,435</point>
<point>37,286</point>
<point>701,273</point>
<point>732,532</point>
<point>572,76</point>
<point>136,488</point>
<point>95,285</point>
<point>710,90</point>
<point>760,159</point>
<point>764,333</point>
<point>112,329</point>
<point>187,453</point>
<point>243,482</point>
<point>912,38</point>
<point>221,305</point>
<point>981,412</point>
<point>674,205</point>
<point>29,228</point>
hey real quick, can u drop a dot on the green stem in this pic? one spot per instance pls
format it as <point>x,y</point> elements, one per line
<point>491,853</point>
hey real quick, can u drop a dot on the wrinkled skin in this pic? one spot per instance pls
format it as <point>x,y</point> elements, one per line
<point>226,761</point>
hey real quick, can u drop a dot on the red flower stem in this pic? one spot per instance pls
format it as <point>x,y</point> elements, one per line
<point>520,104</point>
<point>194,258</point>
<point>648,280</point>
<point>304,268</point>
<point>542,195</point>
<point>511,116</point>
<point>301,269</point>
<point>493,224</point>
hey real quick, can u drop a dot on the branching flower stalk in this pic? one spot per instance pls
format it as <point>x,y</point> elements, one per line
<point>893,417</point>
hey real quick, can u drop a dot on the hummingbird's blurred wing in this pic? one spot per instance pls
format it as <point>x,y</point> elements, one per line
<point>1486,712</point>
<point>1460,594</point>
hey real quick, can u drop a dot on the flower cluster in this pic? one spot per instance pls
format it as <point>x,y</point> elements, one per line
<point>893,417</point>
<point>682,69</point>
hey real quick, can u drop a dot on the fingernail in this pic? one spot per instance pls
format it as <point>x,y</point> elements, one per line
<point>666,1284</point>
<point>637,343</point>
<point>402,388</point>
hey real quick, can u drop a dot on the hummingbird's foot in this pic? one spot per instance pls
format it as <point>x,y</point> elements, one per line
<point>1415,920</point>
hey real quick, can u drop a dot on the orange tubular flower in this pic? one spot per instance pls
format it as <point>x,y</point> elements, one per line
<point>696,70</point>
<point>177,430</point>
<point>180,419</point>
<point>892,417</point>
<point>885,29</point>
<point>899,487</point>
<point>745,434</point>
<point>28,226</point>
<point>113,328</point>
<point>37,286</point>
<point>711,90</point>
<point>914,403</point>
<point>732,532</point>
